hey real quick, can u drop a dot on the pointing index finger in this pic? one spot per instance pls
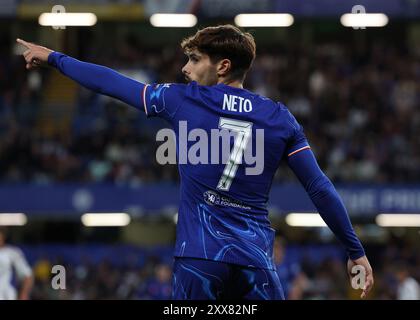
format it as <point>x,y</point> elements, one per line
<point>24,43</point>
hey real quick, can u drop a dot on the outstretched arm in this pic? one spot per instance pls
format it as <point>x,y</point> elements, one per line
<point>331,208</point>
<point>94,77</point>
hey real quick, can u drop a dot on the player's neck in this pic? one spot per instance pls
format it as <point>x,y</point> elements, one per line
<point>231,83</point>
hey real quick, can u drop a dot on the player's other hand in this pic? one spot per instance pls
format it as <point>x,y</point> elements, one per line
<point>35,56</point>
<point>367,284</point>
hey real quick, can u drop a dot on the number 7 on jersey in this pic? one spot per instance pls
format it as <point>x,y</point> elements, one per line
<point>243,132</point>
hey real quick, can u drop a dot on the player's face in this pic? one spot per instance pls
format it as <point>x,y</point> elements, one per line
<point>200,68</point>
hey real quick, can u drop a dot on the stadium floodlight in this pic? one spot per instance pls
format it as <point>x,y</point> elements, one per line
<point>306,219</point>
<point>105,219</point>
<point>13,219</point>
<point>398,220</point>
<point>82,19</point>
<point>264,20</point>
<point>361,20</point>
<point>181,20</point>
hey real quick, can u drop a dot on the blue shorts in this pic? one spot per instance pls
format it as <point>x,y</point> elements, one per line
<point>200,279</point>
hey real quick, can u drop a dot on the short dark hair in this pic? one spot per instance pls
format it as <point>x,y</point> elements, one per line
<point>224,42</point>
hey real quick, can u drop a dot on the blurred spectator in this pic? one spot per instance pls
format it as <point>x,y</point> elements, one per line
<point>159,287</point>
<point>12,260</point>
<point>408,288</point>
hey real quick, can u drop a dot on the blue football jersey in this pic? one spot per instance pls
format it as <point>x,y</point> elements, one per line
<point>223,212</point>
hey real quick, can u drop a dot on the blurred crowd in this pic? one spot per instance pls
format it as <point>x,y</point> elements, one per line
<point>315,273</point>
<point>396,269</point>
<point>87,281</point>
<point>359,105</point>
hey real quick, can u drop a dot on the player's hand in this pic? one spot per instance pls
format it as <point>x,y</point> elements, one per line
<point>368,281</point>
<point>35,56</point>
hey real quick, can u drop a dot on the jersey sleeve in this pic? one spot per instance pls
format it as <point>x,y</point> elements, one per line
<point>163,100</point>
<point>297,141</point>
<point>20,264</point>
<point>327,201</point>
<point>100,79</point>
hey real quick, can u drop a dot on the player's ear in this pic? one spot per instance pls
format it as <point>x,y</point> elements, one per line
<point>223,67</point>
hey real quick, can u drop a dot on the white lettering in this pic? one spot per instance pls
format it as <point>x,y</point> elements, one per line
<point>227,101</point>
<point>248,105</point>
<point>230,103</point>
